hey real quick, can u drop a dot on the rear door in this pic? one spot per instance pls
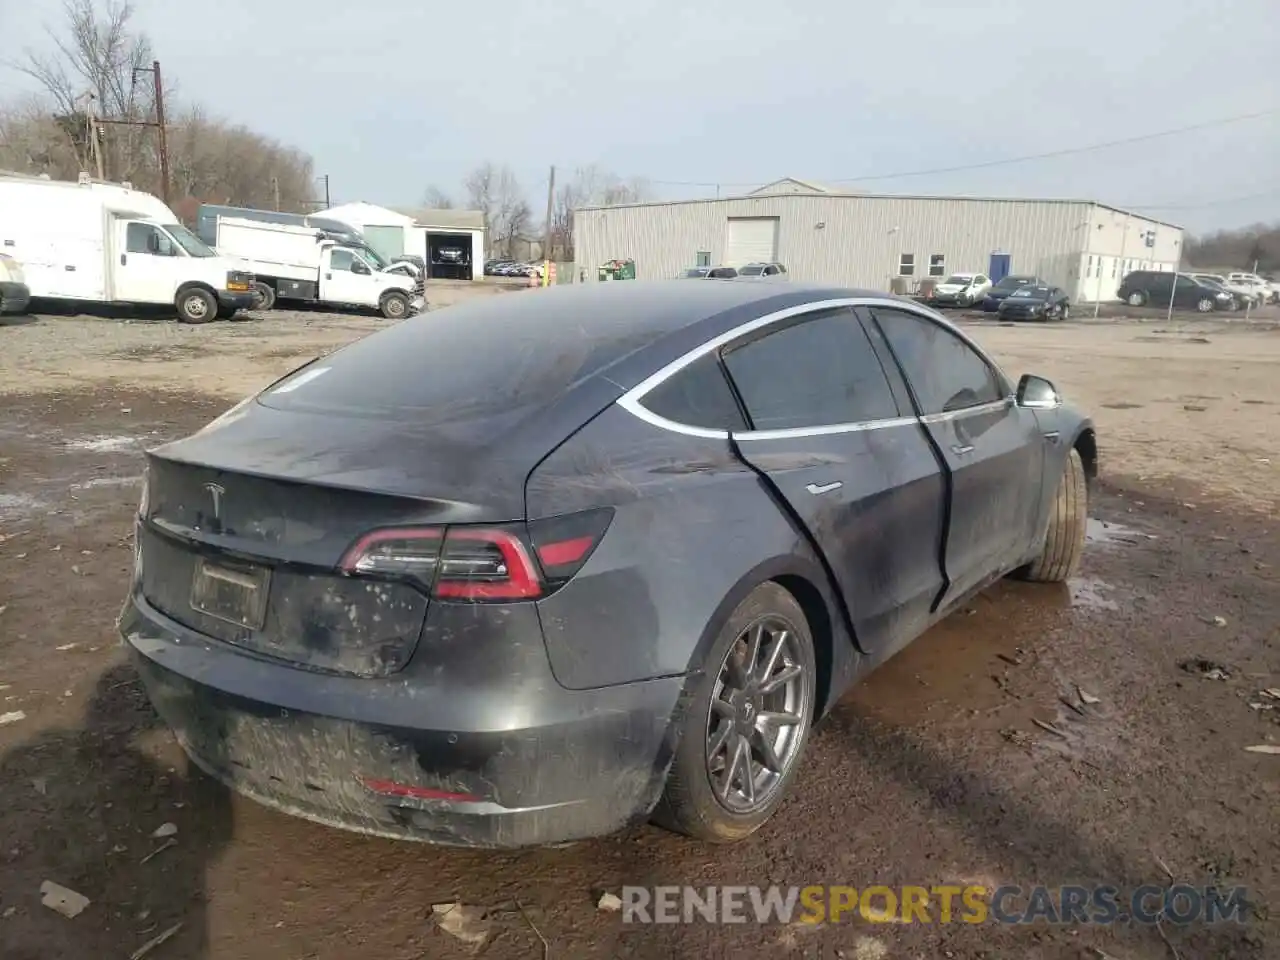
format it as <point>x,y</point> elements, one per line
<point>993,449</point>
<point>858,476</point>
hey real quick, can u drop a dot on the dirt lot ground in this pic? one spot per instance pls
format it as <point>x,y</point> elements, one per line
<point>934,770</point>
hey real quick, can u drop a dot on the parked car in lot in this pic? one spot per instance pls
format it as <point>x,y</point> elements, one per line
<point>763,271</point>
<point>15,295</point>
<point>1265,291</point>
<point>1240,298</point>
<point>534,568</point>
<point>1158,289</point>
<point>1037,301</point>
<point>1007,285</point>
<point>961,290</point>
<point>710,273</point>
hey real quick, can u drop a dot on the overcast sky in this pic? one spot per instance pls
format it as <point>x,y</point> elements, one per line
<point>390,96</point>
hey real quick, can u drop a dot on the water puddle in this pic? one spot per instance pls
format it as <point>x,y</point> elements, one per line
<point>105,444</point>
<point>1104,533</point>
<point>1090,593</point>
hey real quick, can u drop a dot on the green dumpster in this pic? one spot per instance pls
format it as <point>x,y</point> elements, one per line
<point>618,270</point>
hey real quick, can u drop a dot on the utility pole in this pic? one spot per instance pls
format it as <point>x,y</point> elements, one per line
<point>546,239</point>
<point>327,202</point>
<point>275,189</point>
<point>164,140</point>
<point>158,123</point>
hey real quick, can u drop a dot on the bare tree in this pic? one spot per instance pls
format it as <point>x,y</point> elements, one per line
<point>589,186</point>
<point>433,198</point>
<point>91,70</point>
<point>1240,249</point>
<point>496,193</point>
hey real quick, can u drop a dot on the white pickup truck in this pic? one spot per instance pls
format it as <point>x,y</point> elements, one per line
<point>291,262</point>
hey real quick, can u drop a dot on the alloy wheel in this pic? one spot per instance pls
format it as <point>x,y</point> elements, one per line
<point>196,307</point>
<point>756,722</point>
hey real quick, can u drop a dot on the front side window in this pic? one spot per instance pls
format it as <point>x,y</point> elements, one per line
<point>819,372</point>
<point>341,260</point>
<point>148,238</point>
<point>945,373</point>
<point>697,396</point>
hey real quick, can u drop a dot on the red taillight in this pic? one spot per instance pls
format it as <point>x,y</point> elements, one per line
<point>482,563</point>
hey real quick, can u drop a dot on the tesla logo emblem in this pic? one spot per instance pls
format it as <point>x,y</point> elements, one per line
<point>215,491</point>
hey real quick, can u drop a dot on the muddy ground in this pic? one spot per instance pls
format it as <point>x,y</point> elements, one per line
<point>933,770</point>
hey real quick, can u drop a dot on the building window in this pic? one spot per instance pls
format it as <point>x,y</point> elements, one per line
<point>704,258</point>
<point>1115,265</point>
<point>938,265</point>
<point>907,265</point>
<point>1089,270</point>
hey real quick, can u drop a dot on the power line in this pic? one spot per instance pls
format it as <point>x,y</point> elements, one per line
<point>1047,155</point>
<point>1206,203</point>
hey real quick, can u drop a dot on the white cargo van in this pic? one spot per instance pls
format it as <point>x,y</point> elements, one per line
<point>293,262</point>
<point>108,243</point>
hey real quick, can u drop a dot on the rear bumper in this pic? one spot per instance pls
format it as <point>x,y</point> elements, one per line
<point>14,297</point>
<point>235,301</point>
<point>511,760</point>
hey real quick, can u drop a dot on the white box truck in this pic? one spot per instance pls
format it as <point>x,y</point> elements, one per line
<point>108,243</point>
<point>302,263</point>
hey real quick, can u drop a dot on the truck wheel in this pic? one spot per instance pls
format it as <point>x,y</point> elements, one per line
<point>395,306</point>
<point>1137,298</point>
<point>264,296</point>
<point>1064,543</point>
<point>196,305</point>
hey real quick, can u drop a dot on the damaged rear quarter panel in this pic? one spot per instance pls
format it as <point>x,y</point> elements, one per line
<point>692,526</point>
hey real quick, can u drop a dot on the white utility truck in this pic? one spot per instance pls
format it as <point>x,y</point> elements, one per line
<point>292,262</point>
<point>108,243</point>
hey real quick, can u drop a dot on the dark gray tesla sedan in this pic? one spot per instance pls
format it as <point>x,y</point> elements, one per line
<point>542,565</point>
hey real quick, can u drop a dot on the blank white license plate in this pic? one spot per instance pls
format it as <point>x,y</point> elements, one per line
<point>236,594</point>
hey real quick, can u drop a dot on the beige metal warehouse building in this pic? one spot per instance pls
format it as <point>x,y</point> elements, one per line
<point>882,242</point>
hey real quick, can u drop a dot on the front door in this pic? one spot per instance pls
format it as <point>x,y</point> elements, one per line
<point>346,278</point>
<point>858,475</point>
<point>993,450</point>
<point>1000,265</point>
<point>149,265</point>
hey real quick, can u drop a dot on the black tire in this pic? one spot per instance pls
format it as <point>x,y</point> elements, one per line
<point>1137,299</point>
<point>1204,305</point>
<point>1064,543</point>
<point>196,305</point>
<point>394,306</point>
<point>689,804</point>
<point>264,295</point>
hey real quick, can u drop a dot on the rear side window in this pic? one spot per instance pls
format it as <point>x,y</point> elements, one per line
<point>944,372</point>
<point>697,396</point>
<point>819,372</point>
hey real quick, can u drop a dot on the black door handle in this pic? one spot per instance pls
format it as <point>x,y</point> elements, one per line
<point>122,259</point>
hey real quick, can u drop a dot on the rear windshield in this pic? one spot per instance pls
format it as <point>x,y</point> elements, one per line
<point>959,279</point>
<point>751,271</point>
<point>1012,283</point>
<point>465,363</point>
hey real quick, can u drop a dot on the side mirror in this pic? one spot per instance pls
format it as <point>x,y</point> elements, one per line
<point>1037,393</point>
<point>361,268</point>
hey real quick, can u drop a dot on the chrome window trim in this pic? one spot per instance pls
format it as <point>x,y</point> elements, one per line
<point>631,399</point>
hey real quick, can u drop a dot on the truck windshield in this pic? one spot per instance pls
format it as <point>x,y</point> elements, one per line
<point>374,257</point>
<point>189,242</point>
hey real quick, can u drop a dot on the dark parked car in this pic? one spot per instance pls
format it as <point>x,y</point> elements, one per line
<point>996,295</point>
<point>710,273</point>
<point>535,568</point>
<point>1157,289</point>
<point>1036,302</point>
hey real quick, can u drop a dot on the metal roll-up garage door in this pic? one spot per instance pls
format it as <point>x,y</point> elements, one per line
<point>751,240</point>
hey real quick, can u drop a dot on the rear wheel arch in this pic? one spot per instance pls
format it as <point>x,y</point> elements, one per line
<point>800,577</point>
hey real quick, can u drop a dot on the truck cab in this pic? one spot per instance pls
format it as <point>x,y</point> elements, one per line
<point>155,262</point>
<point>348,275</point>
